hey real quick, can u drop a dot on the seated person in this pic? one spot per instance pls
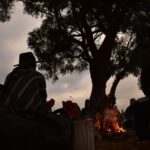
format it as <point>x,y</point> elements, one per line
<point>26,88</point>
<point>69,109</point>
<point>87,112</point>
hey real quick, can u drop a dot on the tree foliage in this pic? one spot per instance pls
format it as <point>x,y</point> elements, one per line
<point>85,34</point>
<point>127,59</point>
<point>6,9</point>
<point>72,33</point>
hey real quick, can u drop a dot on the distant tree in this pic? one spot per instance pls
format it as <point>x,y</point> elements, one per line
<point>81,34</point>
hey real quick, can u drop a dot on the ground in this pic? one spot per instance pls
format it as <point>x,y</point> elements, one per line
<point>126,141</point>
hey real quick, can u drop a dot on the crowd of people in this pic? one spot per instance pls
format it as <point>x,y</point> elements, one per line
<point>102,121</point>
<point>135,118</point>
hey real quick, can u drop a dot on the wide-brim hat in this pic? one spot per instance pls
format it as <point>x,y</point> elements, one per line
<point>27,59</point>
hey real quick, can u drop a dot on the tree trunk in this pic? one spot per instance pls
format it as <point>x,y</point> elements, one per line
<point>99,71</point>
<point>114,85</point>
<point>100,64</point>
<point>99,80</point>
<point>111,95</point>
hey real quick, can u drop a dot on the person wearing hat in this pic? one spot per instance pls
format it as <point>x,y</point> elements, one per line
<point>26,87</point>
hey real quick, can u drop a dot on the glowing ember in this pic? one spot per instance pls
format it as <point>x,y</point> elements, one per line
<point>98,119</point>
<point>117,128</point>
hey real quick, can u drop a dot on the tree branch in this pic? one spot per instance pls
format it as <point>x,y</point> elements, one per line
<point>88,33</point>
<point>100,25</point>
<point>84,43</point>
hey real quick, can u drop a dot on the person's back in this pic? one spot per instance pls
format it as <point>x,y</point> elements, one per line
<point>142,120</point>
<point>130,111</point>
<point>142,106</point>
<point>26,89</point>
<point>130,115</point>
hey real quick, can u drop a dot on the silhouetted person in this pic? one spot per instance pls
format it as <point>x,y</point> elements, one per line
<point>129,115</point>
<point>69,109</point>
<point>50,104</point>
<point>87,112</point>
<point>26,87</point>
<point>1,89</point>
<point>26,92</point>
<point>142,106</point>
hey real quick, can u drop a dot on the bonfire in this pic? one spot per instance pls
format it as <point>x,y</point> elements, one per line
<point>108,121</point>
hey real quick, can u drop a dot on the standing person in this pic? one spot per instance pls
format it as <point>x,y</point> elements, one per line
<point>142,107</point>
<point>129,110</point>
<point>26,88</point>
<point>129,115</point>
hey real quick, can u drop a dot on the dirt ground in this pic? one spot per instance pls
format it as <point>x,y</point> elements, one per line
<point>126,141</point>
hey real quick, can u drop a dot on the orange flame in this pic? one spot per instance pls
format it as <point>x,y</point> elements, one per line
<point>97,124</point>
<point>109,121</point>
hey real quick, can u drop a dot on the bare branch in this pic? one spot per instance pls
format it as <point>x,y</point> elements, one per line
<point>130,40</point>
<point>97,35</point>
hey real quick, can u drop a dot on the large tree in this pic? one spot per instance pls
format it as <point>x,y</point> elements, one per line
<point>81,34</point>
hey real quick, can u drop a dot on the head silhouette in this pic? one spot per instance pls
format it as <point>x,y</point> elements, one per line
<point>87,103</point>
<point>132,101</point>
<point>26,60</point>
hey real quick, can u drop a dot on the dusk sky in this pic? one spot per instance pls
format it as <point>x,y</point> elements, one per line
<point>77,86</point>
